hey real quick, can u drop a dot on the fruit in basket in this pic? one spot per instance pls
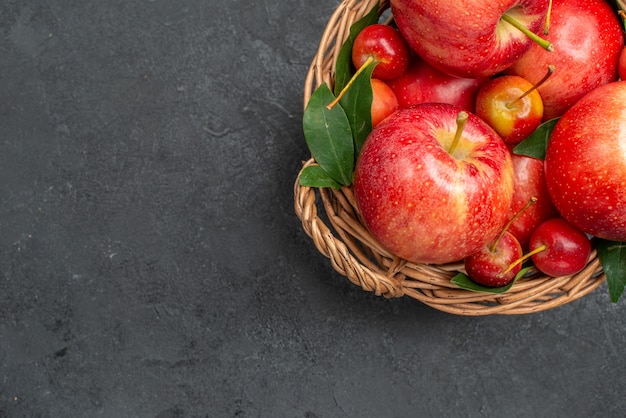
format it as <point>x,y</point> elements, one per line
<point>419,278</point>
<point>384,101</point>
<point>586,163</point>
<point>587,39</point>
<point>559,249</point>
<point>388,48</point>
<point>511,105</point>
<point>431,188</point>
<point>495,265</point>
<point>473,38</point>
<point>529,183</point>
<point>423,83</point>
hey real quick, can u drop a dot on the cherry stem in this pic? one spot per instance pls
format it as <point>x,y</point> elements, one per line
<point>528,204</point>
<point>544,43</point>
<point>370,59</point>
<point>551,69</point>
<point>524,258</point>
<point>461,121</point>
<point>546,27</point>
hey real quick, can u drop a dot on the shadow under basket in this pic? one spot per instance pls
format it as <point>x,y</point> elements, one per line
<point>331,219</point>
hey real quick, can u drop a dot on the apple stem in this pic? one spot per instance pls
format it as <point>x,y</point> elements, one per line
<point>370,59</point>
<point>528,204</point>
<point>461,120</point>
<point>551,69</point>
<point>544,43</point>
<point>546,27</point>
<point>524,258</point>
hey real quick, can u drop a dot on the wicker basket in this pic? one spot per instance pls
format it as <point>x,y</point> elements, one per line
<point>330,217</point>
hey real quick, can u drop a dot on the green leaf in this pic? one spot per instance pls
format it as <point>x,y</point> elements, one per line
<point>537,143</point>
<point>343,66</point>
<point>612,256</point>
<point>357,103</point>
<point>315,176</point>
<point>328,135</point>
<point>464,282</point>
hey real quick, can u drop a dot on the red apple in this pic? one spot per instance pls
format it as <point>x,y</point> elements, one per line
<point>511,105</point>
<point>426,199</point>
<point>586,163</point>
<point>529,182</point>
<point>495,265</point>
<point>558,248</point>
<point>423,83</point>
<point>384,101</point>
<point>470,38</point>
<point>587,39</point>
<point>386,46</point>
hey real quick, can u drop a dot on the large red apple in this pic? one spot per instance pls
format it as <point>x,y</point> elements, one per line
<point>587,40</point>
<point>586,163</point>
<point>423,83</point>
<point>423,202</point>
<point>468,38</point>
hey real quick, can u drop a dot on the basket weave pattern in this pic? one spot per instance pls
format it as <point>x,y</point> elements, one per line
<point>331,219</point>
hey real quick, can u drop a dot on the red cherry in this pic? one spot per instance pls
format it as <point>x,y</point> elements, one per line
<point>559,249</point>
<point>386,46</point>
<point>494,265</point>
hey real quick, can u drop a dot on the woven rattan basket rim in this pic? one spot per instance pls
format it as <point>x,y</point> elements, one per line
<point>330,218</point>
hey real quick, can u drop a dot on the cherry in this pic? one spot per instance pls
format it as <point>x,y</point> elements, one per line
<point>384,101</point>
<point>511,105</point>
<point>497,263</point>
<point>491,266</point>
<point>559,249</point>
<point>388,48</point>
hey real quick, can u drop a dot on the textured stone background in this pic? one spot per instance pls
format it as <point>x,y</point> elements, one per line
<point>151,264</point>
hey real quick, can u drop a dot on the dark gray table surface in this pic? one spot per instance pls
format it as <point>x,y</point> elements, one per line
<point>151,264</point>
